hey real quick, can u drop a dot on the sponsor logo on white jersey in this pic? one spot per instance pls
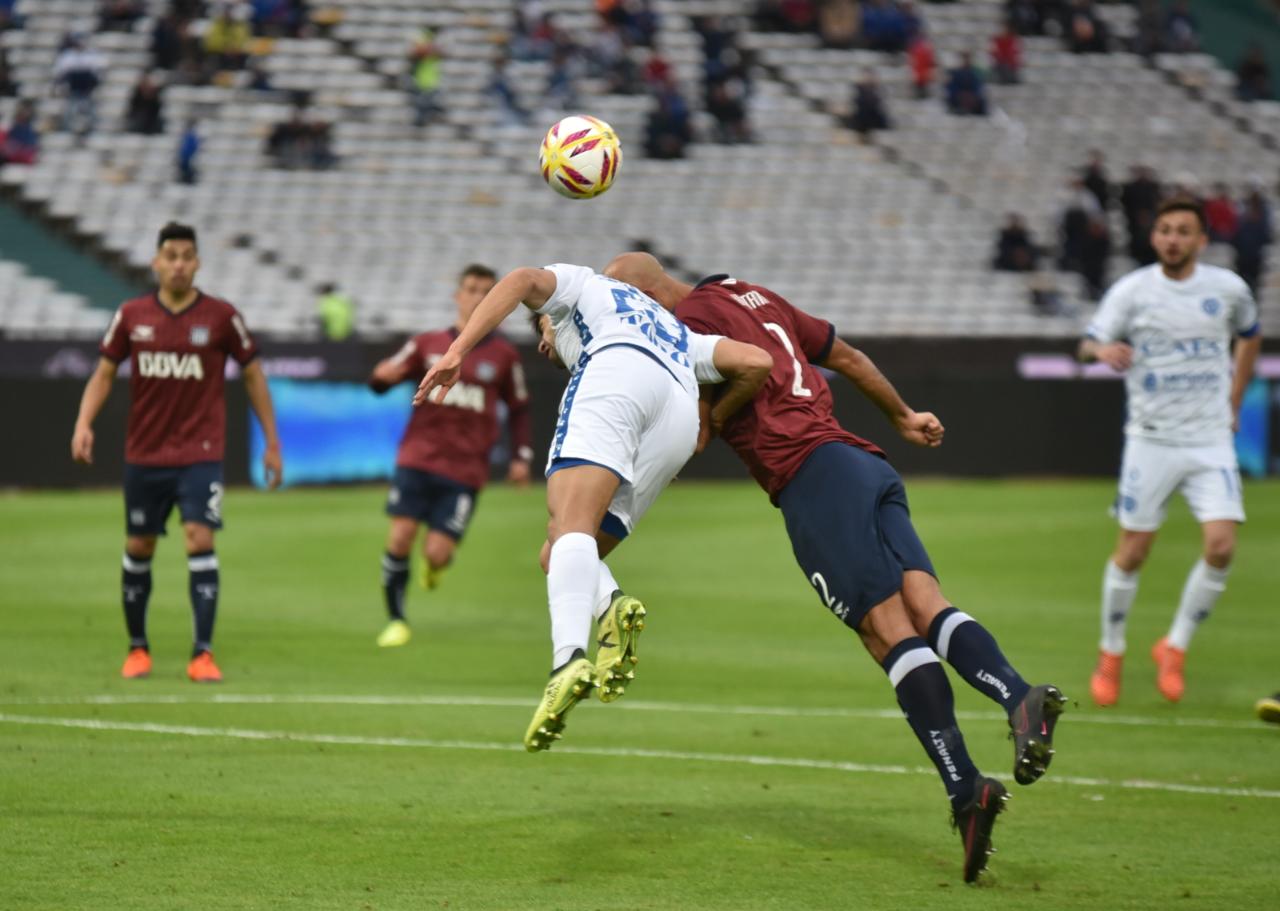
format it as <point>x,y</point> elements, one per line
<point>164,365</point>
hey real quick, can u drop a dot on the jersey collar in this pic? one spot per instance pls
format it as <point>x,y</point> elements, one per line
<point>711,280</point>
<point>184,311</point>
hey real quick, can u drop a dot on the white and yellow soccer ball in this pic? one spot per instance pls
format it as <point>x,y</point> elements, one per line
<point>580,156</point>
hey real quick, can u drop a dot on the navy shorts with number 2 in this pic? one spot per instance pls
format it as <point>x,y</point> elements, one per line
<point>151,492</point>
<point>850,528</point>
<point>440,503</point>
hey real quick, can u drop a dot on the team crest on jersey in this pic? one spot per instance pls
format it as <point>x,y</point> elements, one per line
<point>142,334</point>
<point>485,372</point>
<point>1211,305</point>
<point>199,335</point>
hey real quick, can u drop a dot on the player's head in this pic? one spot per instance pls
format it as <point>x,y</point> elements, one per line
<point>177,258</point>
<point>643,271</point>
<point>1180,232</point>
<point>546,336</point>
<point>474,283</point>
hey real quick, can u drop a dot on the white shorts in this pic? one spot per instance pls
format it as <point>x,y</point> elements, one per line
<point>1208,476</point>
<point>625,412</point>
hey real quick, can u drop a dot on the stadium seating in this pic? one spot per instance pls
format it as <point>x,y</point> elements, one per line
<point>891,238</point>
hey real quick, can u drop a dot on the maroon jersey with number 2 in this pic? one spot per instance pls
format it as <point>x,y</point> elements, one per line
<point>791,414</point>
<point>177,412</point>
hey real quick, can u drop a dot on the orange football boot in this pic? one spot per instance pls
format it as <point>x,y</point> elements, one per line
<point>203,670</point>
<point>1169,660</point>
<point>1104,685</point>
<point>137,664</point>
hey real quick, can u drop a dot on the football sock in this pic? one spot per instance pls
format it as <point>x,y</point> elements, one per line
<point>203,574</point>
<point>1119,588</point>
<point>395,578</point>
<point>572,576</point>
<point>924,693</point>
<point>135,587</point>
<point>604,591</point>
<point>1205,584</point>
<point>965,644</point>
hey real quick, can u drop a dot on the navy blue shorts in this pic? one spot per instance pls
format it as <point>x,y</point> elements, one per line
<point>442,504</point>
<point>150,493</point>
<point>850,528</point>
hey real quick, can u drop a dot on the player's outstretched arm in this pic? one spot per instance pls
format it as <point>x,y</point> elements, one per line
<point>1246,356</point>
<point>919,427</point>
<point>255,385</point>
<point>529,286</point>
<point>91,402</point>
<point>390,371</point>
<point>1116,355</point>
<point>746,367</point>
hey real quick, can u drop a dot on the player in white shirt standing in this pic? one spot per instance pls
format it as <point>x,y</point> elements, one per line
<point>628,422</point>
<point>1169,328</point>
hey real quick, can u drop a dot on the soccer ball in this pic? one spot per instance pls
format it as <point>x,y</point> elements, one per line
<point>580,156</point>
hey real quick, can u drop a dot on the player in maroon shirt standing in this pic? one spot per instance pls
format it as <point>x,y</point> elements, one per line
<point>177,341</point>
<point>846,513</point>
<point>444,454</point>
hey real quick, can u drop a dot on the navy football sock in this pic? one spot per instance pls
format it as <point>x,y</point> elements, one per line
<point>965,644</point>
<point>395,578</point>
<point>135,588</point>
<point>929,705</point>
<point>203,575</point>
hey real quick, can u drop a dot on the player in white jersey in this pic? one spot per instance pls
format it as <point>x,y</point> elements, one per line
<point>628,422</point>
<point>1169,328</point>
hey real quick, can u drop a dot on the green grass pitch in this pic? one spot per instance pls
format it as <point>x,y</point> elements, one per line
<point>758,762</point>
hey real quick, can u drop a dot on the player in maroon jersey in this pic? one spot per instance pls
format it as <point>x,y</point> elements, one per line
<point>177,340</point>
<point>846,514</point>
<point>444,454</point>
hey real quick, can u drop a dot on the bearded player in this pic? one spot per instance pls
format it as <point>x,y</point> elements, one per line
<point>846,514</point>
<point>443,460</point>
<point>177,341</point>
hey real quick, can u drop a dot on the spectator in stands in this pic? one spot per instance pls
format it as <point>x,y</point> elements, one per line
<point>226,40</point>
<point>534,34</point>
<point>726,79</point>
<point>426,70</point>
<point>1095,253</point>
<point>1015,249</point>
<point>668,130</point>
<point>562,90</point>
<point>887,25</point>
<point>1253,236</point>
<point>839,24</point>
<point>1148,29</point>
<point>504,92</point>
<point>727,108</point>
<point>869,112</point>
<point>656,71</point>
<point>78,70</point>
<point>1253,76</point>
<point>300,142</point>
<point>279,17</point>
<point>609,59</point>
<point>1181,30</point>
<point>188,154</point>
<point>337,312</point>
<point>119,15</point>
<point>144,114</point>
<point>1025,16</point>
<point>1140,198</point>
<point>1086,32</point>
<point>167,42</point>
<point>20,141</point>
<point>634,19</point>
<point>1221,215</point>
<point>923,63</point>
<point>8,85</point>
<point>259,78</point>
<point>1094,177</point>
<point>796,16</point>
<point>1006,55</point>
<point>9,18</point>
<point>966,89</point>
<point>1081,208</point>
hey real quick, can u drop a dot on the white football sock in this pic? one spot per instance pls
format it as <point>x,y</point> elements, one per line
<point>1119,588</point>
<point>572,576</point>
<point>1204,586</point>
<point>604,591</point>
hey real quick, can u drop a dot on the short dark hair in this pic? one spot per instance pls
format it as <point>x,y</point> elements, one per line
<point>479,271</point>
<point>175,231</point>
<point>1183,204</point>
<point>535,320</point>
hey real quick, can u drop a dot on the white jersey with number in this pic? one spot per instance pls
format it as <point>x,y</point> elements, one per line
<point>590,312</point>
<point>1179,387</point>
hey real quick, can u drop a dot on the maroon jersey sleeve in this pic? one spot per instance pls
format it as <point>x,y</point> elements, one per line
<point>239,343</point>
<point>115,344</point>
<point>816,336</point>
<point>515,392</point>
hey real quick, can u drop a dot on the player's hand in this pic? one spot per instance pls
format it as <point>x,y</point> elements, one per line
<point>705,430</point>
<point>442,375</point>
<point>82,445</point>
<point>518,473</point>
<point>921,428</point>
<point>273,466</point>
<point>1116,355</point>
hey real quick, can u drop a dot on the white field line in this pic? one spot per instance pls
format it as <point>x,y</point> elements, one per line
<point>692,708</point>
<point>145,727</point>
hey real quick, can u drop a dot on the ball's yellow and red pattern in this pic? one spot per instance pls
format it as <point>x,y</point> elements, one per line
<point>580,156</point>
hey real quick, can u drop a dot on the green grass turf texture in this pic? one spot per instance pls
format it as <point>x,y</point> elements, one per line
<point>130,819</point>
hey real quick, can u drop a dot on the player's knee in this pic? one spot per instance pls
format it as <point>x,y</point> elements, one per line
<point>1219,549</point>
<point>139,547</point>
<point>199,538</point>
<point>1132,552</point>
